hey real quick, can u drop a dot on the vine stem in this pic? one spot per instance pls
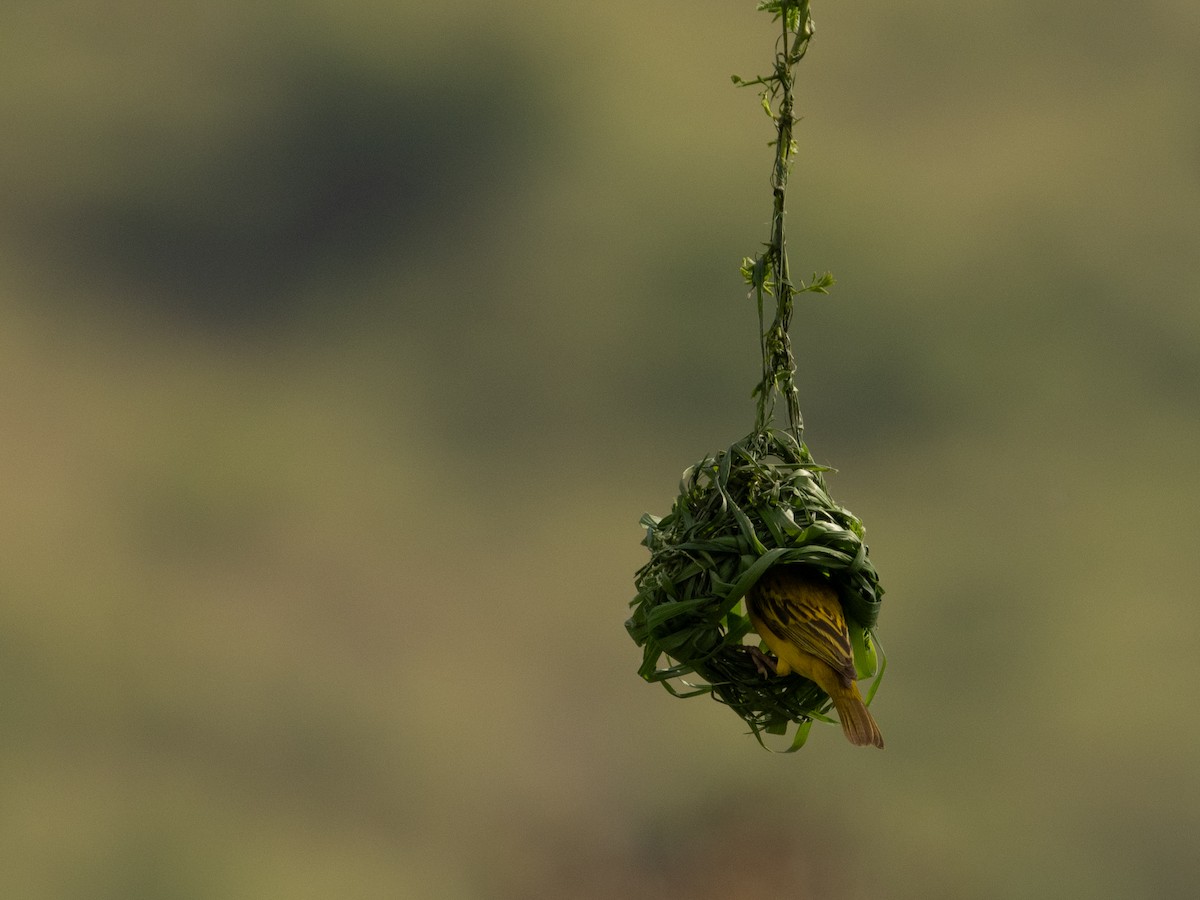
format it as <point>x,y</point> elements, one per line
<point>769,273</point>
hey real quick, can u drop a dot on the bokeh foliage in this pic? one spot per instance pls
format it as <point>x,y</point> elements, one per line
<point>316,597</point>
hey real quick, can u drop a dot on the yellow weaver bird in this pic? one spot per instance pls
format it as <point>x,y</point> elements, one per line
<point>798,615</point>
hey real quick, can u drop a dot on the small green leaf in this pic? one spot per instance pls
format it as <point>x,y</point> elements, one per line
<point>866,659</point>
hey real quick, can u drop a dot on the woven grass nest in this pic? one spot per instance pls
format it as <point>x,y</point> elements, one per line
<point>762,502</point>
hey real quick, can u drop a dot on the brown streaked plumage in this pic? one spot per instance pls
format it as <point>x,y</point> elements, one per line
<point>797,613</point>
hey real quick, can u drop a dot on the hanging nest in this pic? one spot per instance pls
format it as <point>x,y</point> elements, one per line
<point>760,503</point>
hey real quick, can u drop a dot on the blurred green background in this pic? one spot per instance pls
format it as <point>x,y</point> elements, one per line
<point>343,344</point>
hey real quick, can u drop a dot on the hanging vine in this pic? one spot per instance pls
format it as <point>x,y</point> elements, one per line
<point>768,274</point>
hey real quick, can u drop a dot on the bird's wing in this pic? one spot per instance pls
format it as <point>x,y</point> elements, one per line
<point>813,623</point>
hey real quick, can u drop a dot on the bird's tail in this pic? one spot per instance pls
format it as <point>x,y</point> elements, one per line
<point>859,725</point>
